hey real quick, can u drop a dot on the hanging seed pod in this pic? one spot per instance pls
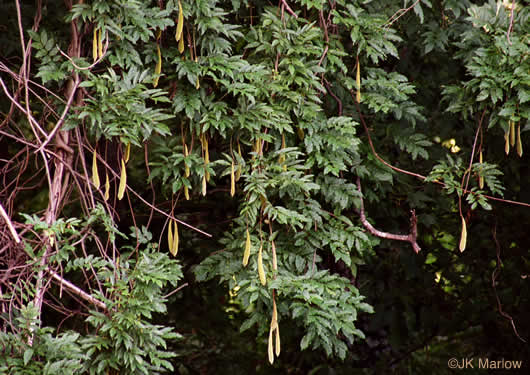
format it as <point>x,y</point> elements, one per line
<point>206,157</point>
<point>519,143</point>
<point>170,236</point>
<point>270,350</point>
<point>107,187</point>
<point>274,259</point>
<point>95,175</point>
<point>246,254</point>
<point>197,84</point>
<point>274,325</point>
<point>186,193</point>
<point>175,247</point>
<point>261,270</point>
<point>507,142</point>
<point>512,133</point>
<point>358,82</point>
<point>238,172</point>
<point>300,133</point>
<point>277,340</point>
<point>123,181</point>
<point>180,24</point>
<point>100,45</point>
<point>481,178</point>
<point>463,237</point>
<point>232,180</point>
<point>127,152</point>
<point>204,185</point>
<point>158,68</point>
<point>181,45</point>
<point>186,167</point>
<point>95,44</point>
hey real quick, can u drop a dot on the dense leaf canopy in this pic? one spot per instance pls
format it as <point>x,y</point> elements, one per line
<point>296,186</point>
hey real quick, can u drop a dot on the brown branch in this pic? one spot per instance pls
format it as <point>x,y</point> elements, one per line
<point>339,102</point>
<point>494,275</point>
<point>78,291</point>
<point>411,237</point>
<point>3,213</point>
<point>288,8</point>
<point>400,13</point>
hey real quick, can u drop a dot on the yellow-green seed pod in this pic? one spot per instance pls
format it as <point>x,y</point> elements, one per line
<point>274,259</point>
<point>123,181</point>
<point>261,270</point>
<point>186,193</point>
<point>507,142</point>
<point>246,254</point>
<point>175,247</point>
<point>300,133</point>
<point>181,45</point>
<point>232,180</point>
<point>358,82</point>
<point>512,133</point>
<point>107,187</point>
<point>519,143</point>
<point>204,185</point>
<point>186,168</point>
<point>277,340</point>
<point>95,44</point>
<point>481,178</point>
<point>95,175</point>
<point>170,236</point>
<point>100,45</point>
<point>127,152</point>
<point>158,68</point>
<point>180,23</point>
<point>270,350</point>
<point>463,237</point>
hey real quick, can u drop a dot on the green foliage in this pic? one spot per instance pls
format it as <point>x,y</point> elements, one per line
<point>255,127</point>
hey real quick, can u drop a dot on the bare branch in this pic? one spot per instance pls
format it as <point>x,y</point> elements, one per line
<point>411,237</point>
<point>9,224</point>
<point>78,291</point>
